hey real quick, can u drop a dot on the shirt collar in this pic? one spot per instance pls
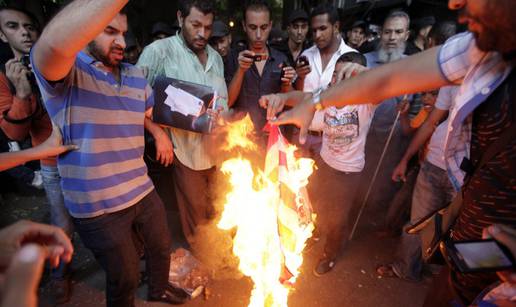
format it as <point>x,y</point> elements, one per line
<point>183,43</point>
<point>85,57</point>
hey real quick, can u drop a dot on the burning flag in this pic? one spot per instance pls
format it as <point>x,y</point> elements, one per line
<point>272,216</point>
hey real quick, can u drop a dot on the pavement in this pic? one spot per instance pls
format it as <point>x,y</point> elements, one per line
<point>353,282</point>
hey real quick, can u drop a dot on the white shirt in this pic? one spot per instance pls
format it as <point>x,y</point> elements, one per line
<point>319,78</point>
<point>435,154</point>
<point>344,135</point>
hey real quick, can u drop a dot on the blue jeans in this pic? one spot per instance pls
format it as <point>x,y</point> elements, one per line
<point>59,215</point>
<point>432,191</point>
<point>111,239</point>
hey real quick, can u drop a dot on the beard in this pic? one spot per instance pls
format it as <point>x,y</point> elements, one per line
<point>99,55</point>
<point>195,42</point>
<point>387,55</point>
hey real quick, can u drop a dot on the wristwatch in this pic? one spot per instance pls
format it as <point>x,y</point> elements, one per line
<point>316,99</point>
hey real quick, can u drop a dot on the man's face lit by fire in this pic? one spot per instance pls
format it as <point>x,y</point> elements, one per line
<point>491,21</point>
<point>257,26</point>
<point>108,47</point>
<point>323,31</point>
<point>196,29</point>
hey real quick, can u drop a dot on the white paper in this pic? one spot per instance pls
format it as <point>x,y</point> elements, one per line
<point>183,102</point>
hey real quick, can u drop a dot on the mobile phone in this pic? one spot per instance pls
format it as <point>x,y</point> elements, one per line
<point>302,61</point>
<point>257,57</point>
<point>477,256</point>
<point>25,60</point>
<point>283,65</point>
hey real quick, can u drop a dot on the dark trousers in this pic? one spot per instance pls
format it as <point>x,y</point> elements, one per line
<point>193,196</point>
<point>110,238</point>
<point>332,193</point>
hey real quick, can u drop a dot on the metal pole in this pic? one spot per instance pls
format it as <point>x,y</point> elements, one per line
<point>375,173</point>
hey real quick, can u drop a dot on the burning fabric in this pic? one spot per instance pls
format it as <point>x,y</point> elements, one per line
<point>272,216</point>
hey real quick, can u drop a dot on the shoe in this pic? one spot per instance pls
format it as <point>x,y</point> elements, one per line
<point>324,266</point>
<point>61,290</point>
<point>37,181</point>
<point>172,295</point>
<point>386,271</point>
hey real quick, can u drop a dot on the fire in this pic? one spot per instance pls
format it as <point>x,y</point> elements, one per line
<point>271,213</point>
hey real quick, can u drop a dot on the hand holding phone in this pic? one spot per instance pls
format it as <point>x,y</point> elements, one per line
<point>287,73</point>
<point>302,67</point>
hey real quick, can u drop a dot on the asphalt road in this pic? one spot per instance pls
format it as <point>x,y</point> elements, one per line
<point>353,281</point>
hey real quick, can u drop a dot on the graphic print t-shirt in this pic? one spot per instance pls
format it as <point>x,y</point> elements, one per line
<point>344,135</point>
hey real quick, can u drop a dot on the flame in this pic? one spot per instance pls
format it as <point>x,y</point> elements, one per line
<point>239,133</point>
<point>270,236</point>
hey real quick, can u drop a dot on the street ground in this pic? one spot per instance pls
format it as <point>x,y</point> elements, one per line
<point>353,282</point>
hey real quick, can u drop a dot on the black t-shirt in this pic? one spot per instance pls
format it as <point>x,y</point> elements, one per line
<point>490,196</point>
<point>255,85</point>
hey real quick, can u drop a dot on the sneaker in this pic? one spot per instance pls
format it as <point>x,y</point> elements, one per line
<point>324,266</point>
<point>37,182</point>
<point>61,290</point>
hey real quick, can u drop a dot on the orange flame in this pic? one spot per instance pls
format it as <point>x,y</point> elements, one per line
<point>259,212</point>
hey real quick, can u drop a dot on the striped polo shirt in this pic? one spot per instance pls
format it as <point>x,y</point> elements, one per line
<point>105,118</point>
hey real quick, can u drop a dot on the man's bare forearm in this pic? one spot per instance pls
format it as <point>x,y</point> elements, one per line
<point>69,32</point>
<point>294,97</point>
<point>11,159</point>
<point>410,75</point>
<point>234,87</point>
<point>152,127</point>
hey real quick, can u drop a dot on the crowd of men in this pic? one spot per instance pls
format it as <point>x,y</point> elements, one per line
<point>423,112</point>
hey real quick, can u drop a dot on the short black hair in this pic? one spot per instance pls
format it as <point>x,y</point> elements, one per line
<point>353,57</point>
<point>257,5</point>
<point>440,32</point>
<point>326,8</point>
<point>31,16</point>
<point>205,6</point>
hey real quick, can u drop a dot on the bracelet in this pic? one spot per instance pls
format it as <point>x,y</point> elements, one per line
<point>21,120</point>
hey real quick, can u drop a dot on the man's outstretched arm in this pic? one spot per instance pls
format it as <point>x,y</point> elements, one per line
<point>416,73</point>
<point>69,32</point>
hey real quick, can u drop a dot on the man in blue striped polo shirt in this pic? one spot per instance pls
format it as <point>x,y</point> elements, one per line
<point>102,105</point>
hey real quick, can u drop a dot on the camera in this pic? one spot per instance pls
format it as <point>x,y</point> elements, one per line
<point>257,57</point>
<point>25,60</point>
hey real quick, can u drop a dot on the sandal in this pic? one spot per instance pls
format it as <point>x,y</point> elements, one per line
<point>386,270</point>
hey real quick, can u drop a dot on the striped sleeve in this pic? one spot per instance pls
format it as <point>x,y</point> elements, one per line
<point>149,97</point>
<point>457,55</point>
<point>51,89</point>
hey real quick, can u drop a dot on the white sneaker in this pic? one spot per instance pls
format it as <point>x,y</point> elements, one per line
<point>37,182</point>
